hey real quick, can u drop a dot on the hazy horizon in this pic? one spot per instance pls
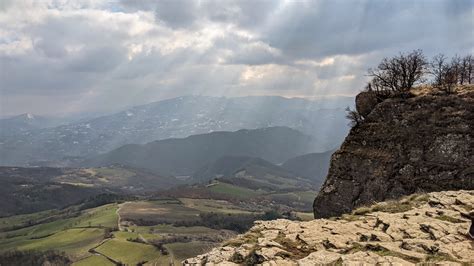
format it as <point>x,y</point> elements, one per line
<point>90,115</point>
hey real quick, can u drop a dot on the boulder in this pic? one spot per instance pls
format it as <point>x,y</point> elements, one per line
<point>365,102</point>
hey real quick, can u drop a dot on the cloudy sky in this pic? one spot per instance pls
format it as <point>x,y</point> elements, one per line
<point>64,57</point>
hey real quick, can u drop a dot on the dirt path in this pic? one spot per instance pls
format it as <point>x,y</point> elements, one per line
<point>119,220</point>
<point>170,253</point>
<point>97,253</point>
<point>143,239</point>
<point>93,250</point>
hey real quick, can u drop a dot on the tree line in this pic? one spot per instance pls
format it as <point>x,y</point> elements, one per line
<point>397,75</point>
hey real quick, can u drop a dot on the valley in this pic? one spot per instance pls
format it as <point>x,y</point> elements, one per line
<point>149,231</point>
<point>189,196</point>
<point>119,214</point>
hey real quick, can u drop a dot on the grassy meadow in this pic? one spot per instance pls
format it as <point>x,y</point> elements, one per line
<point>91,236</point>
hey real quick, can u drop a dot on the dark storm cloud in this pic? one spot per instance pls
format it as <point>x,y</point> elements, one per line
<point>184,13</point>
<point>325,28</point>
<point>104,54</point>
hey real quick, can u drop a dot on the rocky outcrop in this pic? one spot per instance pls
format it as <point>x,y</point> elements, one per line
<point>417,229</point>
<point>366,102</point>
<point>423,143</point>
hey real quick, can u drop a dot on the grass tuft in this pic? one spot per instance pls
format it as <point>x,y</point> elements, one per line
<point>449,219</point>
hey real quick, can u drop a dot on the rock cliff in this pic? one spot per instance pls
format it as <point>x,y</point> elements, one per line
<point>421,144</point>
<point>417,229</point>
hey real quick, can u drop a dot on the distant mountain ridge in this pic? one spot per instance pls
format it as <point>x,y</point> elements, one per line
<point>26,122</point>
<point>313,166</point>
<point>253,173</point>
<point>324,119</point>
<point>229,166</point>
<point>187,155</point>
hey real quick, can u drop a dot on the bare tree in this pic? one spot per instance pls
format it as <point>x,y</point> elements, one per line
<point>456,67</point>
<point>375,86</point>
<point>463,69</point>
<point>449,79</point>
<point>401,72</point>
<point>467,67</point>
<point>437,68</point>
<point>354,117</point>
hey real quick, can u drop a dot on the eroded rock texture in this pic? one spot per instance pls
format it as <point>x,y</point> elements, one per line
<point>417,229</point>
<point>420,144</point>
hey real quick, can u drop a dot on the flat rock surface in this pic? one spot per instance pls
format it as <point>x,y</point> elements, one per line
<point>420,228</point>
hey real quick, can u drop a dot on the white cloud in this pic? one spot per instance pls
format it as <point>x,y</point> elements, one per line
<point>77,55</point>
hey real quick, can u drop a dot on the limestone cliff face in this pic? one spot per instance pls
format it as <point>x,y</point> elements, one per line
<point>417,229</point>
<point>424,143</point>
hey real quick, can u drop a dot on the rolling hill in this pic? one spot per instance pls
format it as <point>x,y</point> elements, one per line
<point>313,166</point>
<point>185,156</point>
<point>230,166</point>
<point>253,173</point>
<point>26,190</point>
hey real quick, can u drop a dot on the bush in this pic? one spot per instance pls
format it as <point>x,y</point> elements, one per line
<point>33,258</point>
<point>354,117</point>
<point>400,73</point>
<point>446,75</point>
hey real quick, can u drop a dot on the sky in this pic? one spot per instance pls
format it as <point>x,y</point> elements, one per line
<point>60,57</point>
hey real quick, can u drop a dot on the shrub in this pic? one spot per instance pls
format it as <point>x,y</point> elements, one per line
<point>398,74</point>
<point>354,117</point>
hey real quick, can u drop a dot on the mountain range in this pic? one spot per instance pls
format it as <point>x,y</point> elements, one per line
<point>185,156</point>
<point>323,119</point>
<point>20,124</point>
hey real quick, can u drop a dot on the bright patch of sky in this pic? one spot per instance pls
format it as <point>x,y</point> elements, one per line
<point>75,56</point>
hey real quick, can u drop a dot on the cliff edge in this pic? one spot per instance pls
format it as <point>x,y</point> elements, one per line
<point>403,146</point>
<point>416,229</point>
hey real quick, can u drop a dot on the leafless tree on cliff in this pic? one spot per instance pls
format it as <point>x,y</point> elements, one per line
<point>449,79</point>
<point>401,72</point>
<point>376,87</point>
<point>437,68</point>
<point>354,117</point>
<point>457,67</point>
<point>467,69</point>
<point>445,74</point>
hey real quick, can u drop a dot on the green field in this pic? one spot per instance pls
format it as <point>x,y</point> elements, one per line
<point>233,191</point>
<point>80,234</point>
<point>76,241</point>
<point>116,173</point>
<point>131,253</point>
<point>22,220</point>
<point>74,235</point>
<point>182,251</point>
<point>305,216</point>
<point>158,211</point>
<point>170,229</point>
<point>209,205</point>
<point>94,260</point>
<point>104,216</point>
